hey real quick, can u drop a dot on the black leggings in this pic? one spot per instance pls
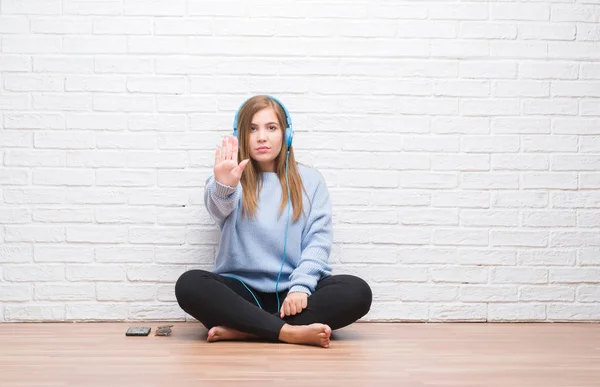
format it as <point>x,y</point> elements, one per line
<point>215,300</point>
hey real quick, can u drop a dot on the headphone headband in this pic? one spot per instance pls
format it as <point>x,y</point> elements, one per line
<point>289,132</point>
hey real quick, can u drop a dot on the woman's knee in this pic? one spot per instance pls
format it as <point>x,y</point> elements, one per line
<point>189,283</point>
<point>359,291</point>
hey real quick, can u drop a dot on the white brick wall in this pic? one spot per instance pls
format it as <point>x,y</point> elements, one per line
<point>460,142</point>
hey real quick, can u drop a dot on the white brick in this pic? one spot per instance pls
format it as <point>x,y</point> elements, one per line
<point>64,102</point>
<point>588,256</point>
<point>15,292</point>
<point>572,50</point>
<point>155,273</point>
<point>179,178</point>
<point>543,31</point>
<point>590,70</point>
<point>588,293</point>
<point>399,235</point>
<point>97,234</point>
<point>574,275</point>
<point>204,236</point>
<point>15,139</point>
<point>554,143</point>
<point>34,121</point>
<point>576,126</point>
<point>548,70</point>
<point>490,144</point>
<point>590,32</point>
<point>108,84</point>
<point>520,88</point>
<point>34,158</point>
<point>460,237</point>
<point>96,159</point>
<point>69,177</point>
<point>548,180</point>
<point>487,69</point>
<point>460,162</point>
<point>166,293</point>
<point>119,64</point>
<point>157,44</point>
<point>489,180</point>
<point>573,312</point>
<point>575,163</point>
<point>94,45</point>
<point>421,292</point>
<point>487,30</point>
<point>34,234</point>
<point>495,107</point>
<point>34,273</point>
<point>521,162</point>
<point>96,311</point>
<point>518,238</point>
<point>580,199</point>
<point>589,107</point>
<point>555,106</point>
<point>518,49</point>
<point>123,254</point>
<point>574,238</point>
<point>184,216</point>
<point>366,217</point>
<point>63,64</point>
<point>185,103</point>
<point>34,195</point>
<point>459,274</point>
<point>31,44</point>
<point>95,196</point>
<point>588,218</point>
<point>549,219</point>
<point>14,101</point>
<point>164,197</point>
<point>15,253</point>
<point>546,257</point>
<point>488,293</point>
<point>185,255</point>
<point>421,255</point>
<point>459,49</point>
<point>34,82</point>
<point>154,7</point>
<point>463,199</point>
<point>193,65</point>
<point>123,26</point>
<point>489,257</point>
<point>61,25</point>
<point>162,122</point>
<point>194,27</point>
<point>125,292</point>
<point>458,312</point>
<point>428,180</point>
<point>389,197</point>
<point>382,179</point>
<point>127,141</point>
<point>14,63</point>
<point>159,312</point>
<point>546,293</point>
<point>123,103</point>
<point>429,143</point>
<point>499,218</point>
<point>518,275</point>
<point>504,312</point>
<point>428,216</point>
<point>64,292</point>
<point>125,178</point>
<point>60,215</point>
<point>157,235</point>
<point>134,215</point>
<point>34,312</point>
<point>63,253</point>
<point>506,11</point>
<point>581,13</point>
<point>157,85</point>
<point>32,7</point>
<point>14,215</point>
<point>93,7</point>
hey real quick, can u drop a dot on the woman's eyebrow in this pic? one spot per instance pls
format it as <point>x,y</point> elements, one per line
<point>268,123</point>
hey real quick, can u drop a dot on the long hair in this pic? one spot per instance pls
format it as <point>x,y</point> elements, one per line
<point>251,177</point>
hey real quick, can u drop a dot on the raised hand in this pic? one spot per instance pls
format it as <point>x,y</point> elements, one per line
<point>227,171</point>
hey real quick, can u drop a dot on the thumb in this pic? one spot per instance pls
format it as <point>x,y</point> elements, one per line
<point>240,168</point>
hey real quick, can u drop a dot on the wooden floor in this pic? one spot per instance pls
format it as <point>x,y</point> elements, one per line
<point>364,354</point>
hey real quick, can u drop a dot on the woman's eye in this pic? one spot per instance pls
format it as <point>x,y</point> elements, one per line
<point>272,127</point>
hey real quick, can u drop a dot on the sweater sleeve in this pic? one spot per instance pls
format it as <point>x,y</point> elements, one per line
<point>220,200</point>
<point>317,240</point>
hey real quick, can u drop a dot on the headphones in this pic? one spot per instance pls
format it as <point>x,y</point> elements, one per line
<point>289,135</point>
<point>289,132</point>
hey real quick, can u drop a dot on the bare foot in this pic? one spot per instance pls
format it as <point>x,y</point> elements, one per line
<point>221,333</point>
<point>313,334</point>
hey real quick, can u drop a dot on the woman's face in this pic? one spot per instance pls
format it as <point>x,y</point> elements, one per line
<point>265,139</point>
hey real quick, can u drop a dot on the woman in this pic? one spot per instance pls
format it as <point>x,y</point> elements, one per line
<point>271,278</point>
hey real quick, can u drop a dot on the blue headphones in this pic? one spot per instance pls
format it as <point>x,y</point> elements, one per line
<point>289,132</point>
<point>289,135</point>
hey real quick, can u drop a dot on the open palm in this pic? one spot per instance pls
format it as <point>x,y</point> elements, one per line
<point>227,170</point>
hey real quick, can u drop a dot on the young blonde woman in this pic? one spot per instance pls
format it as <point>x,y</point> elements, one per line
<point>271,278</point>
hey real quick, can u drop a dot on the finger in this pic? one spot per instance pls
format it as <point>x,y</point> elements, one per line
<point>217,155</point>
<point>286,309</point>
<point>240,168</point>
<point>224,148</point>
<point>293,308</point>
<point>304,303</point>
<point>229,148</point>
<point>235,149</point>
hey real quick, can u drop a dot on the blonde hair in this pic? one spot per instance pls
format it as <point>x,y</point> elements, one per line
<point>252,178</point>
